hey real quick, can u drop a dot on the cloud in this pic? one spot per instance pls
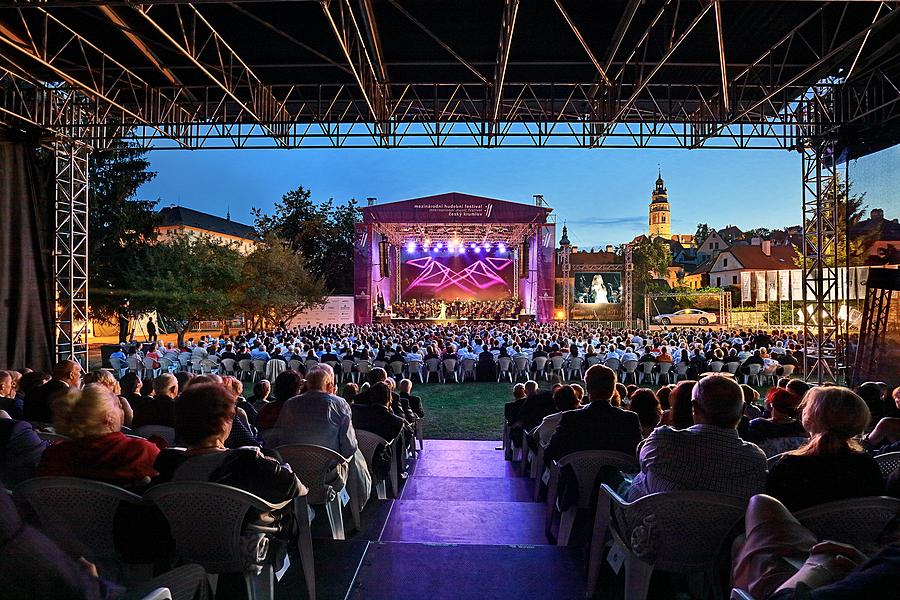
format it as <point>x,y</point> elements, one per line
<point>629,220</point>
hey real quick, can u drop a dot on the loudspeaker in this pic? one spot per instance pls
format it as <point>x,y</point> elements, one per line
<point>383,258</point>
<point>523,260</point>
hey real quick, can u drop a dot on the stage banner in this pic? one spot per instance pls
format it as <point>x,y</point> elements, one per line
<point>784,285</point>
<point>772,286</point>
<point>546,274</point>
<point>760,285</point>
<point>337,310</point>
<point>362,274</point>
<point>746,291</point>
<point>797,285</point>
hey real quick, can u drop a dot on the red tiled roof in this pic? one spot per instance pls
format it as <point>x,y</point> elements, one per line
<point>752,257</point>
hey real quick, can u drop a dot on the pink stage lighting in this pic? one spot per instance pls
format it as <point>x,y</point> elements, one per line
<point>501,247</point>
<point>411,247</point>
<point>438,246</point>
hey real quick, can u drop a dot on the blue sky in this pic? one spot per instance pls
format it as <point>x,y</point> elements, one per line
<point>602,194</point>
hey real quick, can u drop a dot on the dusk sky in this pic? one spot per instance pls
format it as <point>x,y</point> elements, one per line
<point>602,194</point>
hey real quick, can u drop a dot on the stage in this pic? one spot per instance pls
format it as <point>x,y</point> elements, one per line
<point>454,254</point>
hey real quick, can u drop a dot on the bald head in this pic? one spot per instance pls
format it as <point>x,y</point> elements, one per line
<point>718,400</point>
<point>321,378</point>
<point>68,371</point>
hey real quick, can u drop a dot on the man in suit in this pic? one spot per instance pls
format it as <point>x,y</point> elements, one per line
<point>597,426</point>
<point>39,401</point>
<point>329,355</point>
<point>404,389</point>
<point>376,416</point>
<point>160,408</point>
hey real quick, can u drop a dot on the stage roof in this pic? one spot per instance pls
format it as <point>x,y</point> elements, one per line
<point>455,217</point>
<point>476,73</point>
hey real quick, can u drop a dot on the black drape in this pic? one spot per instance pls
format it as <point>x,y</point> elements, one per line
<point>26,270</point>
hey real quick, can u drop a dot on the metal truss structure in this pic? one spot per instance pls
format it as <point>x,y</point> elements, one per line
<point>196,74</point>
<point>628,286</point>
<point>876,314</point>
<point>70,250</point>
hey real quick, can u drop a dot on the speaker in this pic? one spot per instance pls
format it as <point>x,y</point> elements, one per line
<point>383,258</point>
<point>523,260</point>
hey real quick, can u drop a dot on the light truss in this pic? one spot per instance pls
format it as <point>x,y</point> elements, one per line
<point>70,251</point>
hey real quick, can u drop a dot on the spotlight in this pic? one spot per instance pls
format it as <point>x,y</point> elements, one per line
<point>501,247</point>
<point>438,246</point>
<point>459,250</point>
<point>411,247</point>
<point>477,250</point>
<point>473,245</point>
<point>487,246</point>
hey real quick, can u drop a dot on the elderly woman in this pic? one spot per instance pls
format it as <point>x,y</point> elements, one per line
<point>107,380</point>
<point>92,418</point>
<point>832,465</point>
<point>782,427</point>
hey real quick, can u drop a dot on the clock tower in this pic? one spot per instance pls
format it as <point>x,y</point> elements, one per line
<point>660,219</point>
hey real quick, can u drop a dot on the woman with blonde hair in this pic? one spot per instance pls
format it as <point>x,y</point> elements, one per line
<point>107,380</point>
<point>832,465</point>
<point>98,450</point>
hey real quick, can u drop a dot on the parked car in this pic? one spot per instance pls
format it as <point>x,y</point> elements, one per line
<point>688,316</point>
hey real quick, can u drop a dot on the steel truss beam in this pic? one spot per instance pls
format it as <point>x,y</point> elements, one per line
<point>507,28</point>
<point>70,252</point>
<point>876,313</point>
<point>628,287</point>
<point>824,339</point>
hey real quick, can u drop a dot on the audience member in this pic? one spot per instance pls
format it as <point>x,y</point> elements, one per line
<point>160,408</point>
<point>832,465</point>
<point>645,404</point>
<point>680,415</point>
<point>566,399</point>
<point>782,431</point>
<point>404,389</point>
<point>20,451</point>
<point>38,402</point>
<point>287,385</point>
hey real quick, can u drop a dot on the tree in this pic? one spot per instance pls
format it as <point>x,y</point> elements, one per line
<point>651,259</point>
<point>703,232</point>
<point>276,284</point>
<point>851,209</point>
<point>322,233</point>
<point>118,225</point>
<point>760,232</point>
<point>188,279</point>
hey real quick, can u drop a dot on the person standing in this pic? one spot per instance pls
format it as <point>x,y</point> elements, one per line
<point>151,330</point>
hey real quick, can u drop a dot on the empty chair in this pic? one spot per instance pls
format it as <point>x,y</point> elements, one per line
<point>184,359</point>
<point>522,366</point>
<point>414,367</point>
<point>207,523</point>
<point>432,366</point>
<point>593,360</point>
<point>246,367</point>
<point>119,367</point>
<point>295,364</point>
<point>753,375</point>
<point>259,369</point>
<point>165,365</point>
<point>362,369</point>
<point>450,369</point>
<point>161,431</point>
<point>346,369</point>
<point>504,368</point>
<point>324,472</point>
<point>420,433</point>
<point>310,363</point>
<point>77,510</point>
<point>576,365</point>
<point>678,532</point>
<point>716,366</point>
<point>629,368</point>
<point>888,462</point>
<point>556,366</point>
<point>540,364</point>
<point>227,367</point>
<point>586,465</point>
<point>855,521</point>
<point>208,366</point>
<point>467,367</point>
<point>788,370</point>
<point>680,371</point>
<point>732,367</point>
<point>646,371</point>
<point>664,369</point>
<point>397,368</point>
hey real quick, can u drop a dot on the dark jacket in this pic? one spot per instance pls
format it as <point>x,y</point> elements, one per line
<point>155,410</point>
<point>20,451</point>
<point>38,402</point>
<point>415,404</point>
<point>535,408</point>
<point>377,419</point>
<point>597,426</point>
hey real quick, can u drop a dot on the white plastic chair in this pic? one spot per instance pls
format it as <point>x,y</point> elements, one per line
<point>664,369</point>
<point>732,367</point>
<point>788,370</point>
<point>208,366</point>
<point>629,367</point>
<point>184,359</point>
<point>259,369</point>
<point>362,370</point>
<point>135,365</point>
<point>165,365</point>
<point>468,369</point>
<point>396,368</point>
<point>680,371</point>
<point>274,368</point>
<point>324,472</point>
<point>81,509</point>
<point>310,363</point>
<point>227,366</point>
<point>586,465</point>
<point>432,367</point>
<point>414,367</point>
<point>450,369</point>
<point>556,366</point>
<point>368,443</point>
<point>246,367</point>
<point>613,363</point>
<point>716,366</point>
<point>540,364</point>
<point>646,372</point>
<point>753,375</point>
<point>855,521</point>
<point>346,369</point>
<point>576,365</point>
<point>295,364</point>
<point>166,433</point>
<point>207,523</point>
<point>888,463</point>
<point>522,367</point>
<point>504,368</point>
<point>679,532</point>
<point>196,365</point>
<point>119,367</point>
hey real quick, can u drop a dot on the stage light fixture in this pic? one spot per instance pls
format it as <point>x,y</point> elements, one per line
<point>411,247</point>
<point>487,246</point>
<point>438,246</point>
<point>501,247</point>
<point>477,250</point>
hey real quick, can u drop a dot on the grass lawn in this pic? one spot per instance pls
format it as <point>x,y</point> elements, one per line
<point>469,411</point>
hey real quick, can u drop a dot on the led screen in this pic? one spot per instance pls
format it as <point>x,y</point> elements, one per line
<point>598,288</point>
<point>486,275</point>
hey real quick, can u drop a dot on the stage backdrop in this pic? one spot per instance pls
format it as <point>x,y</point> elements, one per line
<point>451,276</point>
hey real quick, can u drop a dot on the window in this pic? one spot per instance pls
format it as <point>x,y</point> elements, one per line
<point>734,279</point>
<point>718,281</point>
<point>724,262</point>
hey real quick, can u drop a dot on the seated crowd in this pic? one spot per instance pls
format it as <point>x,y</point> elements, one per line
<point>97,424</point>
<point>804,447</point>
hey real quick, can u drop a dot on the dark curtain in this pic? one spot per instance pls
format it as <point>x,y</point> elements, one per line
<point>26,269</point>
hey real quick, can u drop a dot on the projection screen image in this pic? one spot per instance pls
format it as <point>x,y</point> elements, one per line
<point>598,288</point>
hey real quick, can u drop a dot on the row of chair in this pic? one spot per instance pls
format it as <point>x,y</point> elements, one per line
<point>681,532</point>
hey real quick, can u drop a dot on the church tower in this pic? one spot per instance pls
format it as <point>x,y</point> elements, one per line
<point>660,221</point>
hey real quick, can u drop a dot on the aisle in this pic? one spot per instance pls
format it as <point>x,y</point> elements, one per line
<point>465,527</point>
